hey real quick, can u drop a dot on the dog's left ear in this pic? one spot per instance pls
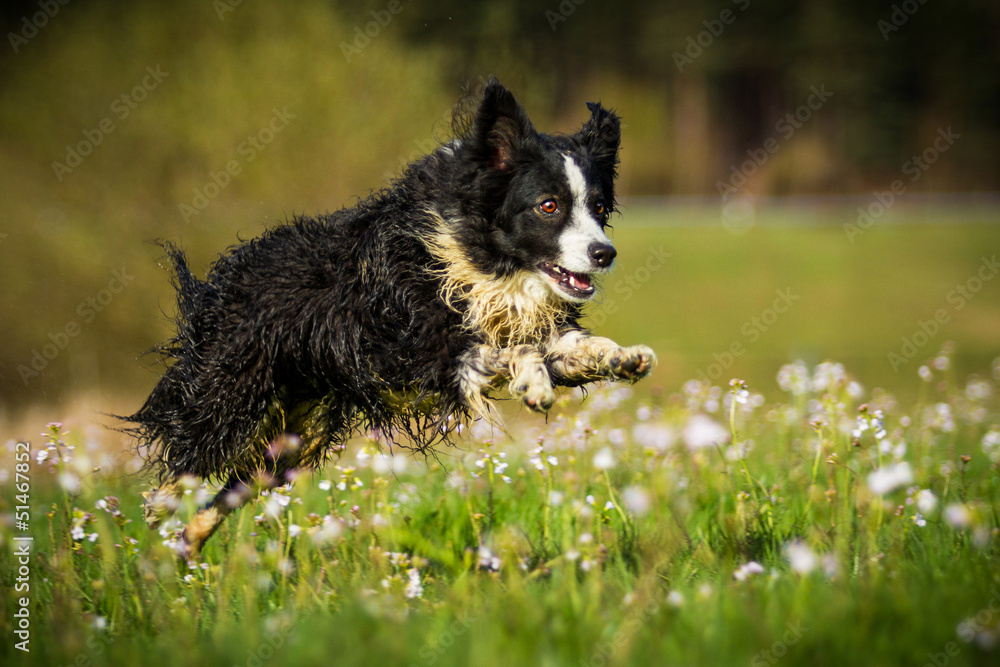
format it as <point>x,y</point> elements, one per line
<point>501,126</point>
<point>601,135</point>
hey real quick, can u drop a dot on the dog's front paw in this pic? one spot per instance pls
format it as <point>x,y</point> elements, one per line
<point>630,364</point>
<point>534,389</point>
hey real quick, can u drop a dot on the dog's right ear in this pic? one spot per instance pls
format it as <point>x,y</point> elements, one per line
<point>501,127</point>
<point>602,135</point>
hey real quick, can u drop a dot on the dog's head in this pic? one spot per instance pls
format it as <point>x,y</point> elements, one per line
<point>536,205</point>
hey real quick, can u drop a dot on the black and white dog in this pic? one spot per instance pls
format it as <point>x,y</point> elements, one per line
<point>399,314</point>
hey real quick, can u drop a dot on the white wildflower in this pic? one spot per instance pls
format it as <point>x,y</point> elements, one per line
<point>702,431</point>
<point>652,435</point>
<point>743,572</point>
<point>978,389</point>
<point>330,530</point>
<point>273,506</point>
<point>830,566</point>
<point>488,561</point>
<point>800,557</point>
<point>991,443</point>
<point>636,500</point>
<point>943,418</point>
<point>926,501</point>
<point>887,478</point>
<point>828,375</point>
<point>794,378</point>
<point>958,515</point>
<point>604,459</point>
<point>413,588</point>
<point>69,482</point>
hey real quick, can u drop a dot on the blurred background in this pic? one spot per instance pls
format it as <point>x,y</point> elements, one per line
<point>801,179</point>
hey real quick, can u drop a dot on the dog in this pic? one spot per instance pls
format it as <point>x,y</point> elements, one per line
<point>399,315</point>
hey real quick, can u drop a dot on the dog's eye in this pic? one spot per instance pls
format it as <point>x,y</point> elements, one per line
<point>548,207</point>
<point>599,208</point>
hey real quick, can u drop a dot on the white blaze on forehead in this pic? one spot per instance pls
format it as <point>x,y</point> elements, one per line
<point>583,229</point>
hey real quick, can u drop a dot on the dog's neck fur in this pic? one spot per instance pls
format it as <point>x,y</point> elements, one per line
<point>510,310</point>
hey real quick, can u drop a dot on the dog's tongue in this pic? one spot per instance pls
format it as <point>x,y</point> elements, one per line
<point>579,282</point>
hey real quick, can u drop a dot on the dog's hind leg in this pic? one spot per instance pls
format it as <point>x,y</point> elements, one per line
<point>207,519</point>
<point>282,457</point>
<point>161,502</point>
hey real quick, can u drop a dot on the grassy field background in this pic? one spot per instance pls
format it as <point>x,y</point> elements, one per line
<point>856,301</point>
<point>688,530</point>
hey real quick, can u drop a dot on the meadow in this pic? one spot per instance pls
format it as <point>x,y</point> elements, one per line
<point>832,524</point>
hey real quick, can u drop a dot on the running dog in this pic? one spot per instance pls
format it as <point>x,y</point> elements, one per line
<point>399,315</point>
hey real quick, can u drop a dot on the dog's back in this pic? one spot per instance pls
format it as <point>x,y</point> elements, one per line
<point>323,314</point>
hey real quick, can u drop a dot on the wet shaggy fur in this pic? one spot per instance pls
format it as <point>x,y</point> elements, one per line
<point>398,315</point>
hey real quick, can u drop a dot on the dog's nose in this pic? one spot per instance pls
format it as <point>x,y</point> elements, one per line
<point>602,254</point>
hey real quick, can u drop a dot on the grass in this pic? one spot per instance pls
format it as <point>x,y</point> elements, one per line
<point>675,529</point>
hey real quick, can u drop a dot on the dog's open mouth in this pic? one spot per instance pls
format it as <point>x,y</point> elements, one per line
<point>576,285</point>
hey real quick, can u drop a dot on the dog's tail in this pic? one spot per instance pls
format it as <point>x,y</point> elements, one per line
<point>189,289</point>
<point>155,423</point>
